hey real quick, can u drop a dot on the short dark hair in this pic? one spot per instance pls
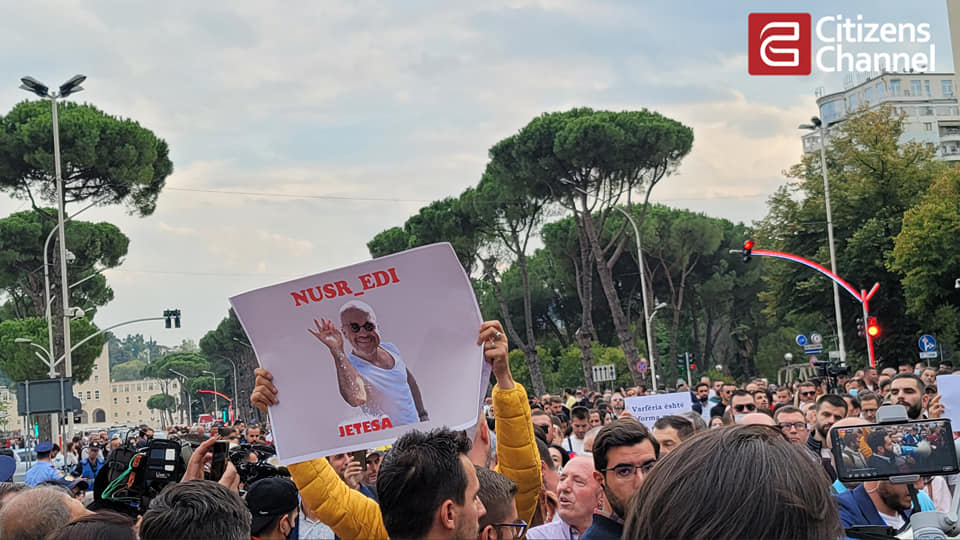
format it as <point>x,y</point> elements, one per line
<point>875,439</point>
<point>833,400</point>
<point>808,383</point>
<point>564,455</point>
<point>854,402</point>
<point>196,509</point>
<point>556,399</point>
<point>496,493</point>
<point>738,392</point>
<point>786,409</point>
<point>417,475</point>
<point>868,396</point>
<point>103,525</point>
<point>795,502</point>
<point>580,413</point>
<point>621,432</point>
<point>703,384</point>
<point>680,423</point>
<point>915,378</point>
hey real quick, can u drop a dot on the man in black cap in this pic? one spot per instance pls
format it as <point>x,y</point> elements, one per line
<point>274,504</point>
<point>89,467</point>
<point>43,469</point>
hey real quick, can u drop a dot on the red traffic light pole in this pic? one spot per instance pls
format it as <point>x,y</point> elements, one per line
<point>863,296</point>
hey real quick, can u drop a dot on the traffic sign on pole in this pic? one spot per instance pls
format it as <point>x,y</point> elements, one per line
<point>927,343</point>
<point>801,340</point>
<point>928,354</point>
<point>641,367</point>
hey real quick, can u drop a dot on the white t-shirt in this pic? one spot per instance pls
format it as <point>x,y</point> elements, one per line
<point>391,395</point>
<point>895,521</point>
<point>573,444</point>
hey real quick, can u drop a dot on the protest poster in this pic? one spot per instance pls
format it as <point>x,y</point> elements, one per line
<point>648,409</point>
<point>949,388</point>
<point>364,353</point>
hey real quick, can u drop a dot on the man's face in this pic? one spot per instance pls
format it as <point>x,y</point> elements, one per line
<point>544,421</point>
<point>905,392</point>
<point>149,433</point>
<point>897,496</point>
<point>808,394</point>
<point>703,392</point>
<point>339,463</point>
<point>373,469</point>
<point>92,454</point>
<point>556,408</point>
<point>929,376</point>
<point>667,437</point>
<point>851,411</point>
<point>580,427</point>
<point>578,490</point>
<point>743,405</point>
<point>871,376</point>
<point>468,515</point>
<point>783,396</point>
<point>253,436</point>
<point>360,331</point>
<point>827,415</point>
<point>761,400</point>
<point>717,387</point>
<point>595,419</point>
<point>103,436</point>
<point>727,392</point>
<point>616,401</point>
<point>619,488</point>
<point>794,427</point>
<point>904,369</point>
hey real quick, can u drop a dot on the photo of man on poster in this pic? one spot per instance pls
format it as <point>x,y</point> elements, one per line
<point>373,375</point>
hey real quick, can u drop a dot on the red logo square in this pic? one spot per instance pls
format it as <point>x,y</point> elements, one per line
<point>779,44</point>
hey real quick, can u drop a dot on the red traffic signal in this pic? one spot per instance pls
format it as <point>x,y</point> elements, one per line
<point>873,329</point>
<point>693,366</point>
<point>747,249</point>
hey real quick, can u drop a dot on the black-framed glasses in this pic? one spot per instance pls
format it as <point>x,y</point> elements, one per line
<point>785,426</point>
<point>519,529</point>
<point>810,393</point>
<point>628,470</point>
<point>368,326</point>
<point>748,407</point>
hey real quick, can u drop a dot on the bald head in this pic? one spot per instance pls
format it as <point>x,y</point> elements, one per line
<point>19,518</point>
<point>756,418</point>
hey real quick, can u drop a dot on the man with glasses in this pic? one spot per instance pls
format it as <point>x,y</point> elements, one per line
<point>373,376</point>
<point>742,404</point>
<point>725,394</point>
<point>808,392</point>
<point>497,493</point>
<point>616,402</point>
<point>791,422</point>
<point>869,403</point>
<point>623,454</point>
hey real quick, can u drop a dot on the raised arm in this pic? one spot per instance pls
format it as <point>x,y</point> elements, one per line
<point>417,398</point>
<point>353,387</point>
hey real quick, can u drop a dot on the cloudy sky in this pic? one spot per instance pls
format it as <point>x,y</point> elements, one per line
<point>300,130</point>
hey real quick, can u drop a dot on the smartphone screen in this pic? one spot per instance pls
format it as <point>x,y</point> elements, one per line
<point>922,447</point>
<point>219,462</point>
<point>360,457</point>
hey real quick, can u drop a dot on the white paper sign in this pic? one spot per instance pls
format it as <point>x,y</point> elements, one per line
<point>649,409</point>
<point>362,354</point>
<point>949,388</point>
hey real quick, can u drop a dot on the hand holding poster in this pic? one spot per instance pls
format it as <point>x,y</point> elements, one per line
<point>649,409</point>
<point>357,373</point>
<point>949,388</point>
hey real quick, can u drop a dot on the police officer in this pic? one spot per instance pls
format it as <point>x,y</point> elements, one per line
<point>89,467</point>
<point>43,469</point>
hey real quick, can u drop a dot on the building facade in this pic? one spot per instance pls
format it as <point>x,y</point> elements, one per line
<point>928,101</point>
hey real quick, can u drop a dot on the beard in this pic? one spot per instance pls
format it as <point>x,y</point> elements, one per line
<point>913,411</point>
<point>468,529</point>
<point>618,506</point>
<point>823,430</point>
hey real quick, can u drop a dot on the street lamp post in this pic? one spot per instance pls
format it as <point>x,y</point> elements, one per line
<point>817,125</point>
<point>215,402</point>
<point>236,395</point>
<point>70,87</point>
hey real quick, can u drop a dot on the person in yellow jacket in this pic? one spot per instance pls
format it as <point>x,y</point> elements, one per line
<point>351,514</point>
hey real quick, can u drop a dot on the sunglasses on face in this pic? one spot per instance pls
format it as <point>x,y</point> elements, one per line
<point>787,426</point>
<point>810,393</point>
<point>749,407</point>
<point>368,326</point>
<point>628,470</point>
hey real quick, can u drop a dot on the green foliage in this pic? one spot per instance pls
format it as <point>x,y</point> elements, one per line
<point>162,402</point>
<point>111,160</point>
<point>128,371</point>
<point>18,361</point>
<point>189,364</point>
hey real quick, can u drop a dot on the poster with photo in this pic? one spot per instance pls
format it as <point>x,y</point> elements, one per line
<point>364,353</point>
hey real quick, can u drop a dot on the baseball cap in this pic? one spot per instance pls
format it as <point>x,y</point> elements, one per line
<point>8,466</point>
<point>95,445</point>
<point>268,498</point>
<point>45,446</point>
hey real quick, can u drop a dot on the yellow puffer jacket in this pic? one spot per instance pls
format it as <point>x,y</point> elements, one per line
<point>352,515</point>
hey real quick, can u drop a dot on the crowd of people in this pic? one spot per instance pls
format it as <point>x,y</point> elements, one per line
<point>750,460</point>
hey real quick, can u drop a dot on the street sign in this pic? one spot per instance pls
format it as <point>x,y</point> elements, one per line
<point>812,349</point>
<point>801,340</point>
<point>604,373</point>
<point>641,367</point>
<point>834,354</point>
<point>816,338</point>
<point>927,343</point>
<point>928,354</point>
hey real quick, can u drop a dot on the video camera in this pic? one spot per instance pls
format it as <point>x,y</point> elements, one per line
<point>830,370</point>
<point>264,466</point>
<point>132,477</point>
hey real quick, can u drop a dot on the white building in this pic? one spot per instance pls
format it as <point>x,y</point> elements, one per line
<point>928,100</point>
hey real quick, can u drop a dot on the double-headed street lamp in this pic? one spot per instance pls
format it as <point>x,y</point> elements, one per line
<point>816,125</point>
<point>72,86</point>
<point>214,375</point>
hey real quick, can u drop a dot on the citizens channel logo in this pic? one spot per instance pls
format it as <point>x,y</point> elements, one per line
<point>781,44</point>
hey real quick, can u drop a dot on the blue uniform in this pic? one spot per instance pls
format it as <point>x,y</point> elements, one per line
<point>89,470</point>
<point>41,472</point>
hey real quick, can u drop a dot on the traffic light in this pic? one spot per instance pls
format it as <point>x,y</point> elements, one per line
<point>172,315</point>
<point>873,329</point>
<point>860,331</point>
<point>747,250</point>
<point>692,366</point>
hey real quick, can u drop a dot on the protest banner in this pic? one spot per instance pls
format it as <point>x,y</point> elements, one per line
<point>949,388</point>
<point>364,353</point>
<point>648,409</point>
